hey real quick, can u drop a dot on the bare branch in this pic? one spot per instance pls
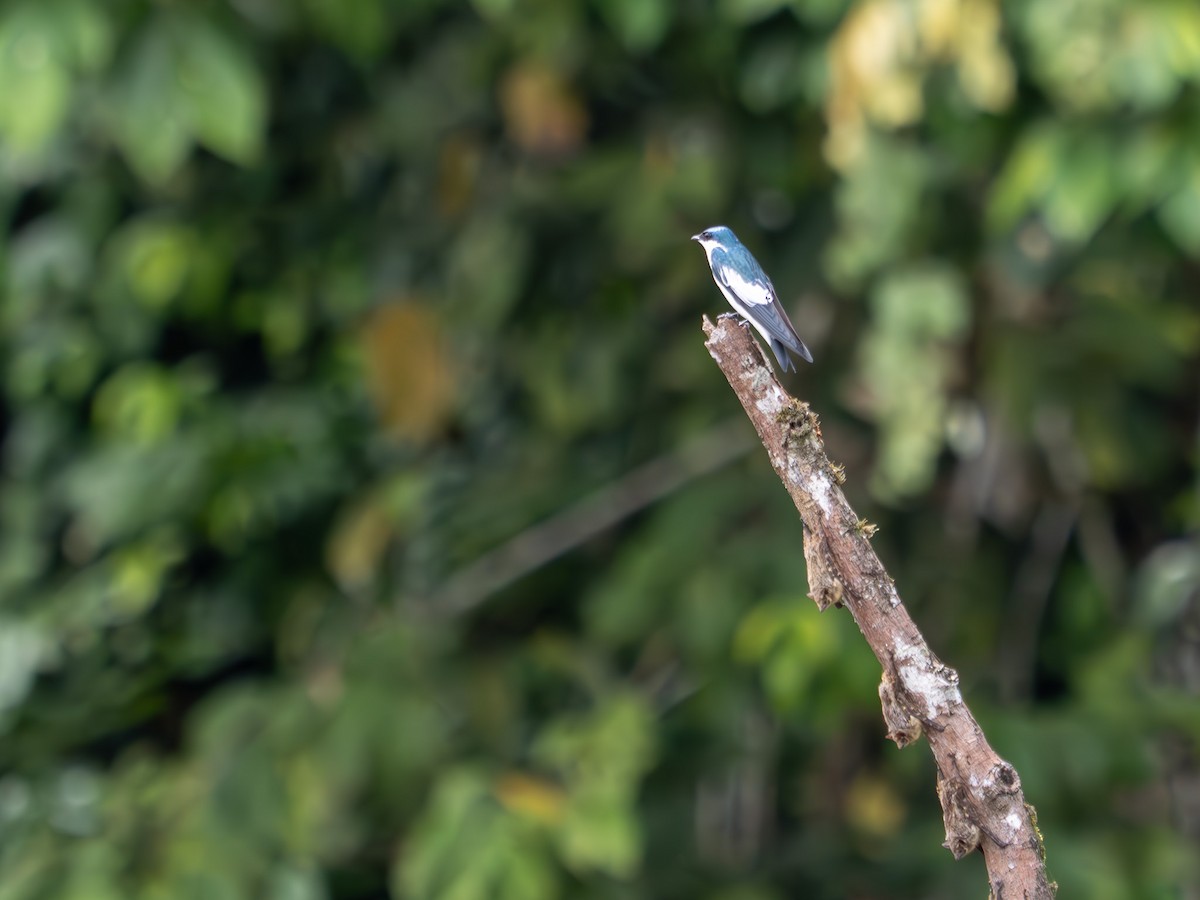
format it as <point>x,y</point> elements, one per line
<point>982,803</point>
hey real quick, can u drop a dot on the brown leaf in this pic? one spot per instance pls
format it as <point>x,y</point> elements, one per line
<point>409,370</point>
<point>542,114</point>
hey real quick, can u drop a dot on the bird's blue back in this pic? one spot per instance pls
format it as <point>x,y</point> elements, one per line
<point>733,253</point>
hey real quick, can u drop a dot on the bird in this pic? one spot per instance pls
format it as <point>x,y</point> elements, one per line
<point>750,292</point>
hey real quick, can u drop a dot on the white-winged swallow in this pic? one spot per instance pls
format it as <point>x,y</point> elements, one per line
<point>750,292</point>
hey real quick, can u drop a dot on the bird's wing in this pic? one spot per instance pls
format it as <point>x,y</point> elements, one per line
<point>753,292</point>
<point>758,296</point>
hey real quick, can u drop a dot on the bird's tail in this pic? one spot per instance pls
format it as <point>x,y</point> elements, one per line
<point>785,361</point>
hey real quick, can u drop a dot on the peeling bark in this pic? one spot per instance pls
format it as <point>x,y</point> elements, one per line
<point>982,803</point>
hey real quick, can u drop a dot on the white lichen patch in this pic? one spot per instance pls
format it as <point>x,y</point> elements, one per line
<point>771,399</point>
<point>761,381</point>
<point>923,678</point>
<point>1013,821</point>
<point>819,486</point>
<point>893,596</point>
<point>767,406</point>
<point>795,472</point>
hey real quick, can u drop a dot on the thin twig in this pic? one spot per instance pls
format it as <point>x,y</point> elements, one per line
<point>542,543</point>
<point>982,802</point>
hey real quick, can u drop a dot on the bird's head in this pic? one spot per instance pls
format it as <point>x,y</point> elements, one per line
<point>717,236</point>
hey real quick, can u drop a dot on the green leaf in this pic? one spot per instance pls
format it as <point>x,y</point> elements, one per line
<point>465,847</point>
<point>138,571</point>
<point>140,403</point>
<point>772,75</point>
<point>640,24</point>
<point>1180,215</point>
<point>219,89</point>
<point>1027,173</point>
<point>155,257</point>
<point>1168,578</point>
<point>148,123</point>
<point>602,757</point>
<point>740,11</point>
<point>24,650</point>
<point>601,833</point>
<point>922,301</point>
<point>1084,189</point>
<point>361,28</point>
<point>919,310</point>
<point>86,30</point>
<point>186,80</point>
<point>35,85</point>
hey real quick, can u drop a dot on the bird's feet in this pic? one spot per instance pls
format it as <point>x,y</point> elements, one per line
<point>745,323</point>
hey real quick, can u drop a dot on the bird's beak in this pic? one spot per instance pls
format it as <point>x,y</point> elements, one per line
<point>695,237</point>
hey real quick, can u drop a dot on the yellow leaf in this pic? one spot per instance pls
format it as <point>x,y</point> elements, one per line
<point>873,806</point>
<point>541,112</point>
<point>458,167</point>
<point>358,543</point>
<point>883,51</point>
<point>409,370</point>
<point>532,797</point>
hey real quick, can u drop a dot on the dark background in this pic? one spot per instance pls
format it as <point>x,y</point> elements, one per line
<point>309,309</point>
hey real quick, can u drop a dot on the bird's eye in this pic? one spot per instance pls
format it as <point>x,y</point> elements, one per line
<point>706,235</point>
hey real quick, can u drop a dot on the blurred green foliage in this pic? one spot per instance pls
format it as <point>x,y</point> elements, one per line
<point>308,307</point>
